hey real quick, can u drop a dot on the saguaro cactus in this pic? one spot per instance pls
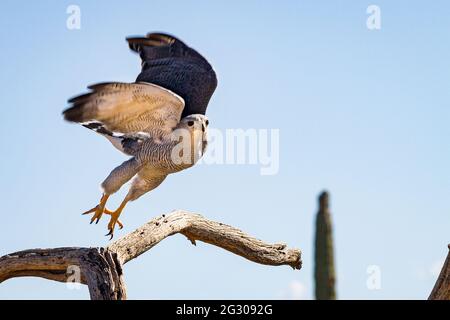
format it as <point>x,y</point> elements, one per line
<point>324,274</point>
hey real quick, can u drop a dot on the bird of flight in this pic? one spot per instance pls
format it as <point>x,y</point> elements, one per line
<point>150,118</point>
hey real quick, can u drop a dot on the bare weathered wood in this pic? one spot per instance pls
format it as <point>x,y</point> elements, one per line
<point>103,275</point>
<point>51,264</point>
<point>441,290</point>
<point>196,227</point>
<point>101,268</point>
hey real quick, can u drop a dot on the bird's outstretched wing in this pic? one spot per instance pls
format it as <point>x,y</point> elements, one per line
<point>169,63</point>
<point>126,113</point>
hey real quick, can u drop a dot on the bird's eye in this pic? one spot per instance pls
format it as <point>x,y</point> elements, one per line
<point>190,123</point>
<point>207,122</point>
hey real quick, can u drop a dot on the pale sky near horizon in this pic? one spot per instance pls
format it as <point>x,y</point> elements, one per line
<point>361,113</point>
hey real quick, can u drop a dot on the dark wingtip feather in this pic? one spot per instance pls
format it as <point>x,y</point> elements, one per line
<point>79,97</point>
<point>77,111</point>
<point>98,86</point>
<point>73,114</point>
<point>163,37</point>
<point>135,43</point>
<point>153,39</point>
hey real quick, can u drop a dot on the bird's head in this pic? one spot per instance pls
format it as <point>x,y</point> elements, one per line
<point>194,123</point>
<point>197,126</point>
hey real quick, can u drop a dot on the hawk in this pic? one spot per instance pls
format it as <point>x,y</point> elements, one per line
<point>149,119</point>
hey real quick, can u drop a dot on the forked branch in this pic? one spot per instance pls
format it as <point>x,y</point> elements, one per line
<point>101,268</point>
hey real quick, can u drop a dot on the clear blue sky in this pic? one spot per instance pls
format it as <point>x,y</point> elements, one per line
<point>364,114</point>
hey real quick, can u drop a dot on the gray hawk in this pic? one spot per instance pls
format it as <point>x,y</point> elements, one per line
<point>159,120</point>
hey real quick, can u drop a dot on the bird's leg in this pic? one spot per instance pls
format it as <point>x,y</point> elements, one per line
<point>115,218</point>
<point>98,209</point>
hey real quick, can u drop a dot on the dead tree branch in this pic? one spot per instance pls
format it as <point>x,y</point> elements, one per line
<point>441,290</point>
<point>195,227</point>
<point>101,268</point>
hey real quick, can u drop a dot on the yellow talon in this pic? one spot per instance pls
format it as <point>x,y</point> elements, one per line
<point>115,218</point>
<point>106,211</point>
<point>98,210</point>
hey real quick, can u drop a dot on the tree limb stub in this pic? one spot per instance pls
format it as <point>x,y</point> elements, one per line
<point>101,268</point>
